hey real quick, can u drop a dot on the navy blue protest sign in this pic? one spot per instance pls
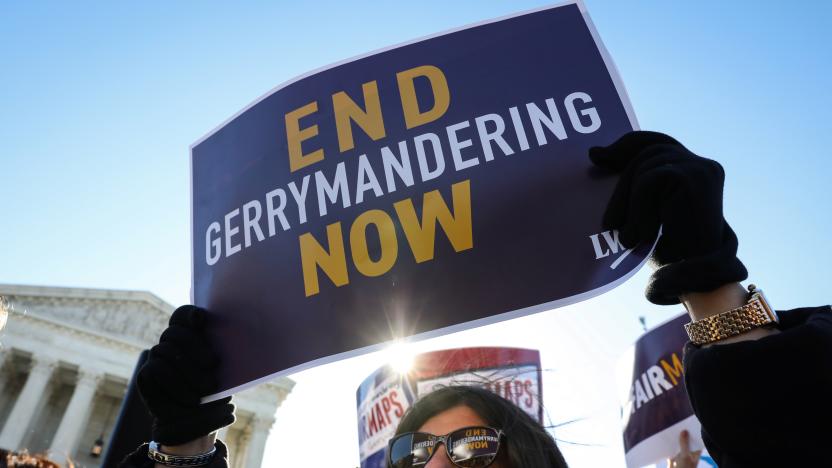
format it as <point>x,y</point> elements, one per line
<point>426,188</point>
<point>654,403</point>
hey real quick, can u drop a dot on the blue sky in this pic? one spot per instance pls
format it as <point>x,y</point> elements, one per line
<point>101,100</point>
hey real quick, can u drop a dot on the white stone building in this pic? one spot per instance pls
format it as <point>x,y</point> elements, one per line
<point>66,356</point>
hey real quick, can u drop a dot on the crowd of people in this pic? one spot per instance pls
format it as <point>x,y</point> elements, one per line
<point>759,381</point>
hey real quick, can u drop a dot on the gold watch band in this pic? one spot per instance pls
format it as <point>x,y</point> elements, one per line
<point>755,313</point>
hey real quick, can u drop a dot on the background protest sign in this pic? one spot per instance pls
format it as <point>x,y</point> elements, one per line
<point>426,188</point>
<point>654,403</point>
<point>382,400</point>
<point>383,397</point>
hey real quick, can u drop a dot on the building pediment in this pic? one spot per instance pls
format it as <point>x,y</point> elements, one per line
<point>135,316</point>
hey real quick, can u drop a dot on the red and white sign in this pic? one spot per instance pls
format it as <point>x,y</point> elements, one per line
<point>520,385</point>
<point>381,405</point>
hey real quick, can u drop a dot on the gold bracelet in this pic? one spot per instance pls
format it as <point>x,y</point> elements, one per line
<point>754,314</point>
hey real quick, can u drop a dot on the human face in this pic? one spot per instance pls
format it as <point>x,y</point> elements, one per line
<point>450,420</point>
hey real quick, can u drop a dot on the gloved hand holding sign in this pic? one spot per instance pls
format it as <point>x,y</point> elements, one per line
<point>178,373</point>
<point>664,184</point>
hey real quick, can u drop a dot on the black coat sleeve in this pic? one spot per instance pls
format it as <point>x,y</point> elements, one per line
<point>767,402</point>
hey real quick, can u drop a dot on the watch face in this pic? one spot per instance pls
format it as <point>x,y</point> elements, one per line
<point>772,314</point>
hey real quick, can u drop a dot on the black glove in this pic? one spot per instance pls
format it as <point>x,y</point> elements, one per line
<point>179,371</point>
<point>664,184</point>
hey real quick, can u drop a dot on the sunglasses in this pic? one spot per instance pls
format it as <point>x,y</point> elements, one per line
<point>469,447</point>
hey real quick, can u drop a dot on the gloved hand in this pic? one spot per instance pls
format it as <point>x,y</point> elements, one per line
<point>179,371</point>
<point>664,184</point>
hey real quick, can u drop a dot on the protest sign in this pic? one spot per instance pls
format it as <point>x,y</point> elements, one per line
<point>385,395</point>
<point>382,400</point>
<point>654,403</point>
<point>426,188</point>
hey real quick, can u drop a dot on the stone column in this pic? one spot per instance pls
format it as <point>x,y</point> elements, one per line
<point>26,404</point>
<point>260,427</point>
<point>5,356</point>
<point>240,446</point>
<point>75,417</point>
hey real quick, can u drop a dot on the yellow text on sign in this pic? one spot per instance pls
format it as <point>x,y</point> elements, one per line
<point>420,236</point>
<point>368,118</point>
<point>675,370</point>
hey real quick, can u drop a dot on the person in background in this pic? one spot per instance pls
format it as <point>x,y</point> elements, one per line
<point>759,381</point>
<point>686,458</point>
<point>476,427</point>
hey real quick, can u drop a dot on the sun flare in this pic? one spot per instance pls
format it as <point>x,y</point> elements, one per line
<point>400,356</point>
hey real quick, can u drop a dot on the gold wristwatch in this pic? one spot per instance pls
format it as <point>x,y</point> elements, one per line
<point>755,313</point>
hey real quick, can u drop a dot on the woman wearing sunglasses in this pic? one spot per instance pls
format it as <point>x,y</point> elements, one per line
<point>470,427</point>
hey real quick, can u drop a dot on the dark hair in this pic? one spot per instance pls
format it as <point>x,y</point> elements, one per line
<point>526,443</point>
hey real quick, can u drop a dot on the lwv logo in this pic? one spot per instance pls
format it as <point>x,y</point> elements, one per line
<point>611,246</point>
